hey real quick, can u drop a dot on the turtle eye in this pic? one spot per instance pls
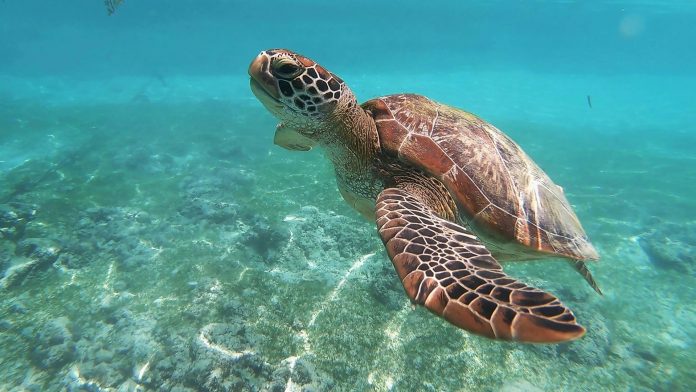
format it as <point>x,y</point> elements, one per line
<point>285,68</point>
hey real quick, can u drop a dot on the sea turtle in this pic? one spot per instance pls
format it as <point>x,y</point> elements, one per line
<point>450,193</point>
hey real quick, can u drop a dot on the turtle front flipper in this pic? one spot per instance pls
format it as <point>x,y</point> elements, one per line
<point>444,267</point>
<point>291,139</point>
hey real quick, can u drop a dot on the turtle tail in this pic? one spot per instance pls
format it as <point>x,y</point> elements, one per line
<point>582,269</point>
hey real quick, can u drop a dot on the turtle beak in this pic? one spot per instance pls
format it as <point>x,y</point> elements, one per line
<point>261,77</point>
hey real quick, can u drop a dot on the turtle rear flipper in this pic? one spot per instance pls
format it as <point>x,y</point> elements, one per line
<point>444,267</point>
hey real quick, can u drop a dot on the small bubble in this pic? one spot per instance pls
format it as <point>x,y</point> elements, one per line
<point>631,26</point>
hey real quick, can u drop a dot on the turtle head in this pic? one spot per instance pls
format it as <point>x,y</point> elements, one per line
<point>299,92</point>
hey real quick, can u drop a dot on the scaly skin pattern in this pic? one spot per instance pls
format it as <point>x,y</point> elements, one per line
<point>319,106</point>
<point>444,267</point>
<point>449,192</point>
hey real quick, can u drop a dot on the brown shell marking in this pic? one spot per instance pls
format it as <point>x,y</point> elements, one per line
<point>444,267</point>
<point>499,187</point>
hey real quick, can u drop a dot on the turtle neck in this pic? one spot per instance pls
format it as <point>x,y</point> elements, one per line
<point>351,143</point>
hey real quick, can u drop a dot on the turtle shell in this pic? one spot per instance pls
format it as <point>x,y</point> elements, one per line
<point>501,193</point>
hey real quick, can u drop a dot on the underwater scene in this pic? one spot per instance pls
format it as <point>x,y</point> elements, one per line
<point>154,238</point>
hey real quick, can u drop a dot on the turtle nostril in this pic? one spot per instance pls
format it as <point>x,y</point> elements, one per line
<point>258,71</point>
<point>258,66</point>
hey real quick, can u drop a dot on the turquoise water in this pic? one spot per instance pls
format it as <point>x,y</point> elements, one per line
<point>153,238</point>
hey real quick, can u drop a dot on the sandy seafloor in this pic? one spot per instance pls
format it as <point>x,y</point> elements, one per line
<point>153,238</point>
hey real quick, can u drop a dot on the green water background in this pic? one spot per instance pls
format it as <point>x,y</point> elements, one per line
<point>128,129</point>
